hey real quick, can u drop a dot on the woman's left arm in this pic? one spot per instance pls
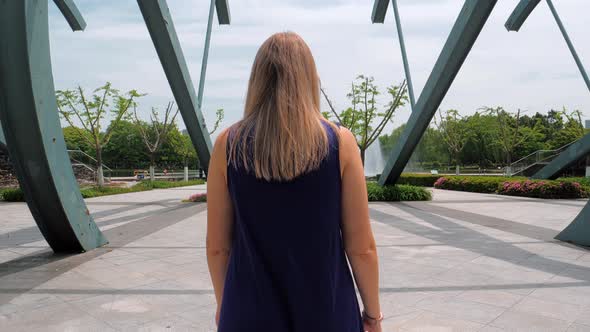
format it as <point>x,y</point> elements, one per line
<point>219,218</point>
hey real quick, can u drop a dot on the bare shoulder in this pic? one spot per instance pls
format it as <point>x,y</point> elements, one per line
<point>218,157</point>
<point>348,147</point>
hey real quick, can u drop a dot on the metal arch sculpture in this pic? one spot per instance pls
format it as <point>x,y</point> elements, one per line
<point>464,33</point>
<point>32,128</point>
<point>161,28</point>
<point>578,231</point>
<point>582,147</point>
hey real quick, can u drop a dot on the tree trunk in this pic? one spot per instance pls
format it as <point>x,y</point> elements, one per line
<point>457,169</point>
<point>363,152</point>
<point>99,170</point>
<point>152,167</point>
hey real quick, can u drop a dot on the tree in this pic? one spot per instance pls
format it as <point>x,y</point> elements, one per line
<point>155,133</point>
<point>126,149</point>
<point>510,132</point>
<point>187,151</point>
<point>572,130</point>
<point>106,101</point>
<point>364,119</point>
<point>75,141</point>
<point>430,152</point>
<point>454,132</point>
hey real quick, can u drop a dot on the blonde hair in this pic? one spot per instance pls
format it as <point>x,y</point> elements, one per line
<point>281,135</point>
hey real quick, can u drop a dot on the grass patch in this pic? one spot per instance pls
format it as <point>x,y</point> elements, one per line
<point>17,195</point>
<point>397,193</point>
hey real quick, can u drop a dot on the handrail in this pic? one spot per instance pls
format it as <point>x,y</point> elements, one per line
<point>525,163</point>
<point>90,157</point>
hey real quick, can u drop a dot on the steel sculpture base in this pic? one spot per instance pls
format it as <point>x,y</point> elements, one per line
<point>2,139</point>
<point>578,232</point>
<point>29,117</point>
<point>161,28</point>
<point>467,27</point>
<point>564,160</point>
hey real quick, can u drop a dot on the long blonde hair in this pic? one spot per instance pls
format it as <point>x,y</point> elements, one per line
<point>281,135</point>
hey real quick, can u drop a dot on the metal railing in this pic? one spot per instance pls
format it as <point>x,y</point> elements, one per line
<point>535,158</point>
<point>79,157</point>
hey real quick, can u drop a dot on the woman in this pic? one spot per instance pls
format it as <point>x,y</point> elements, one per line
<point>287,205</point>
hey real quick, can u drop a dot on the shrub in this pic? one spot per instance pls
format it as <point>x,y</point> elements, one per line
<point>197,198</point>
<point>476,184</point>
<point>423,180</point>
<point>397,193</point>
<point>543,189</point>
<point>12,195</point>
<point>585,182</point>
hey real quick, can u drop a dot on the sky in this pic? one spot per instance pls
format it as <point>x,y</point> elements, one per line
<point>531,70</point>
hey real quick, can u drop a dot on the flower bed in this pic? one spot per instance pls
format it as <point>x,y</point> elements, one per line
<point>475,184</point>
<point>543,189</point>
<point>197,198</point>
<point>514,187</point>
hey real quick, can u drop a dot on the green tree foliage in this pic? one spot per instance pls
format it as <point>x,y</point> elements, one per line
<point>364,118</point>
<point>91,112</point>
<point>454,132</point>
<point>490,133</point>
<point>126,149</point>
<point>511,133</point>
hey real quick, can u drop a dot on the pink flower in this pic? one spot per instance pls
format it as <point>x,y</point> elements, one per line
<point>200,197</point>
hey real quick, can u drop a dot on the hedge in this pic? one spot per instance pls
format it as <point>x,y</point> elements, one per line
<point>514,186</point>
<point>474,184</point>
<point>397,193</point>
<point>12,195</point>
<point>543,189</point>
<point>585,182</point>
<point>422,180</point>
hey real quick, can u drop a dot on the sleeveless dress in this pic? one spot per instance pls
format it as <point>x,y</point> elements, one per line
<point>288,270</point>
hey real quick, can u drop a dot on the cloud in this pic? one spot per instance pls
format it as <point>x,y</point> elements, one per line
<point>531,69</point>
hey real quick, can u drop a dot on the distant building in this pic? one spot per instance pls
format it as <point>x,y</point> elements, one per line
<point>587,124</point>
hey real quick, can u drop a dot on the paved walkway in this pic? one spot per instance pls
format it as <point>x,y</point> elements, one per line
<point>464,262</point>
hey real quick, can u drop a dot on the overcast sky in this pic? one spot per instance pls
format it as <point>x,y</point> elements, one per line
<point>531,70</point>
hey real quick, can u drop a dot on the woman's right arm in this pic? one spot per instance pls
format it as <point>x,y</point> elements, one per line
<point>358,237</point>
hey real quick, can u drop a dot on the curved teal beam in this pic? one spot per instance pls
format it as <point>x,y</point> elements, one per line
<point>71,13</point>
<point>223,14</point>
<point>206,55</point>
<point>566,159</point>
<point>33,133</point>
<point>379,12</point>
<point>402,45</point>
<point>156,15</point>
<point>578,232</point>
<point>466,29</point>
<point>520,14</point>
<point>2,139</point>
<point>224,18</point>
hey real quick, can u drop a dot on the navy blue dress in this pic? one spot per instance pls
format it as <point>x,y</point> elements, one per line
<point>287,269</point>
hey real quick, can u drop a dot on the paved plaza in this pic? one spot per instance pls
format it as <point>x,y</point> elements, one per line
<point>463,262</point>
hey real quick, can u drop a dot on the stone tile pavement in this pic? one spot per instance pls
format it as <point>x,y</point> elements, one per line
<point>463,262</point>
